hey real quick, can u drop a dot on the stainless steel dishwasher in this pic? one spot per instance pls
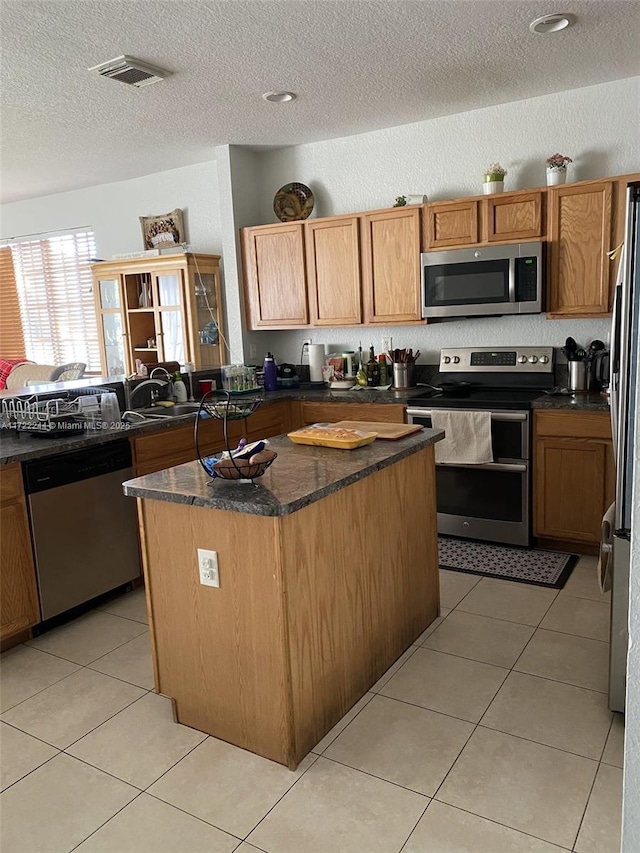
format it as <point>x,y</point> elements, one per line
<point>84,530</point>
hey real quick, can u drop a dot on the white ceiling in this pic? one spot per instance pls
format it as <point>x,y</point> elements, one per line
<point>356,66</point>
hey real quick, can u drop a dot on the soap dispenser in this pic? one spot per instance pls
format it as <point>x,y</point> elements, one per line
<point>179,388</point>
<point>270,373</point>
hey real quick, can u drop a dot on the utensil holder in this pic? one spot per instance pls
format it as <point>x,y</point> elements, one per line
<point>577,376</point>
<point>403,375</point>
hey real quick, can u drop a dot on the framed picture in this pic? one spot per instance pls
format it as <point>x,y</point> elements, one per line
<point>161,231</point>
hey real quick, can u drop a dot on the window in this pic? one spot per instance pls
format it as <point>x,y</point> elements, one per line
<point>55,292</point>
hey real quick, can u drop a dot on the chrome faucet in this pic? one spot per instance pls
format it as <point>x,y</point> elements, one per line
<point>157,383</point>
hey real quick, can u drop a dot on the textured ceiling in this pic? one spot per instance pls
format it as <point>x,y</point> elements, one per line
<point>356,65</point>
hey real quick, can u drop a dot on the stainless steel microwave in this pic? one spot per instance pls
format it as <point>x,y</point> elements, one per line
<point>487,280</point>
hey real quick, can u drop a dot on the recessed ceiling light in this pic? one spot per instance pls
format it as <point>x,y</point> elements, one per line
<point>279,97</point>
<point>551,23</point>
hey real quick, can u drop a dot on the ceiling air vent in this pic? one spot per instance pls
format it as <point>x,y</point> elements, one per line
<point>131,71</point>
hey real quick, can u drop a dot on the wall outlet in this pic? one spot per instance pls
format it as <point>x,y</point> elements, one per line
<point>387,345</point>
<point>208,567</point>
<point>253,351</point>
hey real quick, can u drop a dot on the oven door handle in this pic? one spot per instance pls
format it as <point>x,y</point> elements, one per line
<point>486,466</point>
<point>495,416</point>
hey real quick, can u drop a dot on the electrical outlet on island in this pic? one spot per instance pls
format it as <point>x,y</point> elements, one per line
<point>208,567</point>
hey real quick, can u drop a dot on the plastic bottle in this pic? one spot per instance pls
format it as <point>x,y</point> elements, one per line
<point>270,373</point>
<point>179,388</point>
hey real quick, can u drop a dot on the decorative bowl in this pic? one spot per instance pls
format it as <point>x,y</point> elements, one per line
<point>293,202</point>
<point>243,470</point>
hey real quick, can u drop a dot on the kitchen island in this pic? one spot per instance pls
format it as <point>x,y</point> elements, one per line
<point>328,570</point>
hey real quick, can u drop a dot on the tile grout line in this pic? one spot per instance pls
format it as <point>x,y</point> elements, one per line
<point>38,692</point>
<point>264,816</point>
<point>34,769</point>
<point>190,814</point>
<point>408,838</point>
<point>75,847</point>
<point>477,725</point>
<point>115,648</point>
<point>586,806</point>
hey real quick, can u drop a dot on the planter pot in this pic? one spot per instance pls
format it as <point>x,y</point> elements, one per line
<point>492,186</point>
<point>556,176</point>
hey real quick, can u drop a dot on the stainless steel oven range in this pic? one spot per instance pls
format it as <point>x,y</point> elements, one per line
<point>491,501</point>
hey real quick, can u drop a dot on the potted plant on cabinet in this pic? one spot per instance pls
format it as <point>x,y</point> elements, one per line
<point>557,169</point>
<point>493,179</point>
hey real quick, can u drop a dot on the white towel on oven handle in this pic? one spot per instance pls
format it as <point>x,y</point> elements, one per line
<point>467,436</point>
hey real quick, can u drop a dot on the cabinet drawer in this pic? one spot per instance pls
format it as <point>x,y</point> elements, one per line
<point>11,482</point>
<point>573,424</point>
<point>331,412</point>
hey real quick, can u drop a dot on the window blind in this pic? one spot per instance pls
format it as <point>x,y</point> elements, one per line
<point>11,337</point>
<point>55,292</point>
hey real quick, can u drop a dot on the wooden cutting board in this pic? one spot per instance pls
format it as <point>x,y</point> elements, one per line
<point>384,430</point>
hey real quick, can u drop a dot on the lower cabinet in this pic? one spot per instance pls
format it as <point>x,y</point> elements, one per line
<point>176,446</point>
<point>391,413</point>
<point>574,476</point>
<point>19,608</point>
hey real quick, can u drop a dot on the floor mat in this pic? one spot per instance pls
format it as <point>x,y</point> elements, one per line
<point>506,562</point>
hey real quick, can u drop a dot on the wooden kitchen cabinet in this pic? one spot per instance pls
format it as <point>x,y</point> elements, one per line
<point>391,265</point>
<point>275,276</point>
<point>580,234</point>
<point>452,224</point>
<point>165,308</point>
<point>176,445</point>
<point>333,271</point>
<point>500,218</point>
<point>19,607</point>
<point>574,478</point>
<point>513,216</point>
<point>312,413</point>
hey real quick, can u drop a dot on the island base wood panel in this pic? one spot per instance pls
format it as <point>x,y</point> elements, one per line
<point>312,608</point>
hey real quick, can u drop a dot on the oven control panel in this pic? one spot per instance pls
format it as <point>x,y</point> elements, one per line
<point>497,360</point>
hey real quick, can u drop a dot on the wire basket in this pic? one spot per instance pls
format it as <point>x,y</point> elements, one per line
<point>227,406</point>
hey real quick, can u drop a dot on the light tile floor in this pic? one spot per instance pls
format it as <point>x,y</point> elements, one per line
<point>491,734</point>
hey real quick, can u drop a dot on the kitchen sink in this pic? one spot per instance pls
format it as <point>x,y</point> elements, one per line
<point>161,413</point>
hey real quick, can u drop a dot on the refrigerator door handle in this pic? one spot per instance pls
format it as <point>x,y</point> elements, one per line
<point>615,362</point>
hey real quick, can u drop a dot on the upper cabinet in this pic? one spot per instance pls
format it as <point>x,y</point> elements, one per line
<point>391,265</point>
<point>365,267</point>
<point>156,309</point>
<point>500,218</point>
<point>333,271</point>
<point>274,276</point>
<point>452,223</point>
<point>580,234</point>
<point>367,264</point>
<point>512,217</point>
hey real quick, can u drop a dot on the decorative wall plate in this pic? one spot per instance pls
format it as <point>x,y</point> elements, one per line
<point>293,202</point>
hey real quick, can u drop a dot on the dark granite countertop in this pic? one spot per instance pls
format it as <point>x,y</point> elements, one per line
<point>14,448</point>
<point>23,447</point>
<point>573,402</point>
<point>299,476</point>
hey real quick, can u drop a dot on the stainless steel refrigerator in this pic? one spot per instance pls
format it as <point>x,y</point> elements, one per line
<point>624,402</point>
